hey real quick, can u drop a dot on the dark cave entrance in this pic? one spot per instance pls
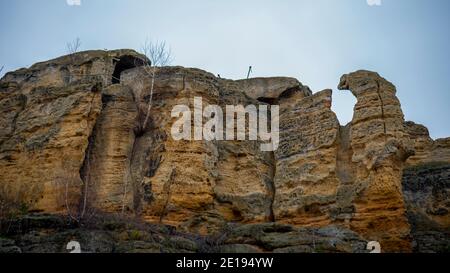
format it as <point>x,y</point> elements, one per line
<point>124,63</point>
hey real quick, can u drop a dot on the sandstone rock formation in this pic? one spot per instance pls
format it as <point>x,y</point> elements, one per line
<point>426,185</point>
<point>380,146</point>
<point>48,114</point>
<point>73,139</point>
<point>351,175</point>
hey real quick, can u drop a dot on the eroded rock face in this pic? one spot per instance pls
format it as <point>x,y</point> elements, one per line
<point>426,186</point>
<point>47,141</point>
<point>426,149</point>
<point>197,185</point>
<point>107,162</point>
<point>48,115</point>
<point>380,145</point>
<point>305,179</point>
<point>75,133</point>
<point>268,88</point>
<point>349,175</point>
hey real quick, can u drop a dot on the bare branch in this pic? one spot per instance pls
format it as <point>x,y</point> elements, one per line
<point>75,190</point>
<point>74,46</point>
<point>157,52</point>
<point>159,55</point>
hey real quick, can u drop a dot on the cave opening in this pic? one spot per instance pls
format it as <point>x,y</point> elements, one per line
<point>124,63</point>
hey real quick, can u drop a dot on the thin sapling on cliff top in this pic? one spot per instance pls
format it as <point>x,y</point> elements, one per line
<point>159,55</point>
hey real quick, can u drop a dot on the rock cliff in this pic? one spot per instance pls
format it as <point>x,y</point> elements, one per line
<point>426,187</point>
<point>75,139</point>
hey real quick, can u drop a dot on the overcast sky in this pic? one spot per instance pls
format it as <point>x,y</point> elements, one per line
<point>315,41</point>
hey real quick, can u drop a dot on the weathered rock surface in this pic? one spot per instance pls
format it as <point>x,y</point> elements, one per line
<point>426,149</point>
<point>48,114</point>
<point>305,179</point>
<point>198,185</point>
<point>380,146</point>
<point>348,175</point>
<point>75,138</point>
<point>280,238</point>
<point>268,88</point>
<point>426,187</point>
<point>50,234</point>
<point>108,161</point>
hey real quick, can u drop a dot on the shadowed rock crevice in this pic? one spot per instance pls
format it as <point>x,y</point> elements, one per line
<point>87,190</point>
<point>344,210</point>
<point>124,63</point>
<point>271,187</point>
<point>168,193</point>
<point>345,170</point>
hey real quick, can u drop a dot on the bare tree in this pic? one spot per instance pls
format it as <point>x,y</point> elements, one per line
<point>75,194</point>
<point>159,55</point>
<point>1,69</point>
<point>74,46</point>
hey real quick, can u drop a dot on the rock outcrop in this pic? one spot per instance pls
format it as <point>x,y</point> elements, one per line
<point>42,233</point>
<point>350,175</point>
<point>78,135</point>
<point>48,114</point>
<point>380,146</point>
<point>426,187</point>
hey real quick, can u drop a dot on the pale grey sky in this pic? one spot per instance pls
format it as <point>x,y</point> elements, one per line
<point>315,41</point>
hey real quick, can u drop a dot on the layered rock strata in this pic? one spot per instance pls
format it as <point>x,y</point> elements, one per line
<point>78,135</point>
<point>426,187</point>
